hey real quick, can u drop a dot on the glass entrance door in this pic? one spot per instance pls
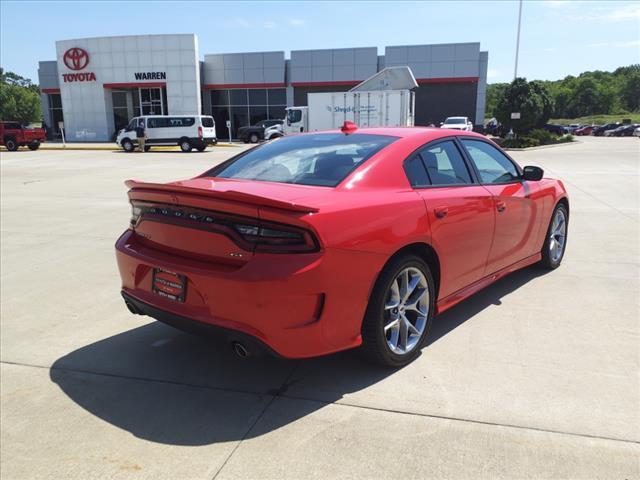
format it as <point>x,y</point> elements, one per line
<point>151,101</point>
<point>120,110</point>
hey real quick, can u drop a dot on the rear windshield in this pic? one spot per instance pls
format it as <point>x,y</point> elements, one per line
<point>207,122</point>
<point>320,159</point>
<point>454,121</point>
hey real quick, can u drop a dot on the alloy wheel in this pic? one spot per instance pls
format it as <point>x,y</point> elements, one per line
<point>406,311</point>
<point>558,235</point>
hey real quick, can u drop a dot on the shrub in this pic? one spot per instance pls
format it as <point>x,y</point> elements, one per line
<point>544,137</point>
<point>520,142</point>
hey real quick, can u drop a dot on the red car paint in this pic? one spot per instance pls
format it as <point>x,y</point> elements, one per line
<point>308,304</point>
<point>586,130</point>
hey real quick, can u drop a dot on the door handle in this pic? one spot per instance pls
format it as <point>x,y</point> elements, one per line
<point>441,212</point>
<point>501,206</point>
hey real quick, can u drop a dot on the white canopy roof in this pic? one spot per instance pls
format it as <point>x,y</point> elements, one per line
<point>390,78</point>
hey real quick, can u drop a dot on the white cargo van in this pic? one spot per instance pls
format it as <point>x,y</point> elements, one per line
<point>186,131</point>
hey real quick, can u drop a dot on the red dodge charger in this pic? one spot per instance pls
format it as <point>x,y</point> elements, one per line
<point>327,241</point>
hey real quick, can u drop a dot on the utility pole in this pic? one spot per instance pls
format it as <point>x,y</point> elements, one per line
<point>515,72</point>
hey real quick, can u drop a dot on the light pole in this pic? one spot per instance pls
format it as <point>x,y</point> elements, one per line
<point>515,71</point>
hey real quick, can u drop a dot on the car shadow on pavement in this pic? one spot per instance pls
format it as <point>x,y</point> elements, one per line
<point>170,387</point>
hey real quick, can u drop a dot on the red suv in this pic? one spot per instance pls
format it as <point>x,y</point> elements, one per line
<point>14,135</point>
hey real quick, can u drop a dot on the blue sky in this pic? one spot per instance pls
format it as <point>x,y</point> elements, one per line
<point>558,37</point>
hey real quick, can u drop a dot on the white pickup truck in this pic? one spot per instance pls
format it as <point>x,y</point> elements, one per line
<point>457,123</point>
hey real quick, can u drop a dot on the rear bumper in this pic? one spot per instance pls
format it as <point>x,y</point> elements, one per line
<point>297,305</point>
<point>139,307</point>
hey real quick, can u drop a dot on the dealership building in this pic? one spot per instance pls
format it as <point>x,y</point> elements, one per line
<point>96,85</point>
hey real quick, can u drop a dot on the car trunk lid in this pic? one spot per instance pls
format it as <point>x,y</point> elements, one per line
<point>217,220</point>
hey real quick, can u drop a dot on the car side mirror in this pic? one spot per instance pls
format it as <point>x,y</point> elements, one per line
<point>532,173</point>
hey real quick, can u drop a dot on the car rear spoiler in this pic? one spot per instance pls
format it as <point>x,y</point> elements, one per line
<point>231,195</point>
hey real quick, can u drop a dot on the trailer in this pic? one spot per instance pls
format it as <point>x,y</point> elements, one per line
<point>383,100</point>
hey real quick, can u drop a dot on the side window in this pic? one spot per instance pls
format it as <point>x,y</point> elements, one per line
<point>444,164</point>
<point>181,121</point>
<point>415,171</point>
<point>492,165</point>
<point>158,123</point>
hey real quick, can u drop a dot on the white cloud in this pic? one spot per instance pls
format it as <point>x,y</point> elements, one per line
<point>296,22</point>
<point>628,12</point>
<point>605,14</point>
<point>556,3</point>
<point>493,73</point>
<point>240,22</point>
<point>632,43</point>
<point>245,23</point>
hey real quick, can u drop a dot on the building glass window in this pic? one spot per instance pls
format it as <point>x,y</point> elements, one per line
<point>151,101</point>
<point>246,107</point>
<point>120,111</point>
<point>55,110</point>
<point>277,96</point>
<point>238,96</point>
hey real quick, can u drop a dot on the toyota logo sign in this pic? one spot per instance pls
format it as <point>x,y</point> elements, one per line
<point>76,58</point>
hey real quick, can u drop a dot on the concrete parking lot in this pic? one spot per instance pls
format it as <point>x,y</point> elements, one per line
<point>535,377</point>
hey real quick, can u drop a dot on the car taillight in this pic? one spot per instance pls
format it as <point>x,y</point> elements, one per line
<point>276,238</point>
<point>253,235</point>
<point>136,211</point>
<point>200,132</point>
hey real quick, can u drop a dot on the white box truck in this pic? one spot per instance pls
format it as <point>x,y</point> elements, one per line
<point>383,100</point>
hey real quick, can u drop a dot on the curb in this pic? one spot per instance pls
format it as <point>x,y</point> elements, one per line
<point>541,147</point>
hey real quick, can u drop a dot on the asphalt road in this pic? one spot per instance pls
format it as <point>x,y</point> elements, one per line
<point>535,377</point>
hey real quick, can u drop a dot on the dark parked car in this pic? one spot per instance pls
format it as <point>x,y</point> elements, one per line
<point>599,131</point>
<point>556,129</point>
<point>255,133</point>
<point>625,130</point>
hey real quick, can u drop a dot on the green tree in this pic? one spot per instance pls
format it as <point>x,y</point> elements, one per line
<point>526,98</point>
<point>590,93</point>
<point>630,91</point>
<point>19,98</point>
<point>494,92</point>
<point>547,102</point>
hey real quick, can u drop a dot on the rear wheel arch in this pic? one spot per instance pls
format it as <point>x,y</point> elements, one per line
<point>563,201</point>
<point>427,253</point>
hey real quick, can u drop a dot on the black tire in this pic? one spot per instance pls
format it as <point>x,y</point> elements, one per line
<point>201,148</point>
<point>253,138</point>
<point>374,338</point>
<point>11,144</point>
<point>33,146</point>
<point>549,262</point>
<point>147,148</point>
<point>185,145</point>
<point>127,145</point>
